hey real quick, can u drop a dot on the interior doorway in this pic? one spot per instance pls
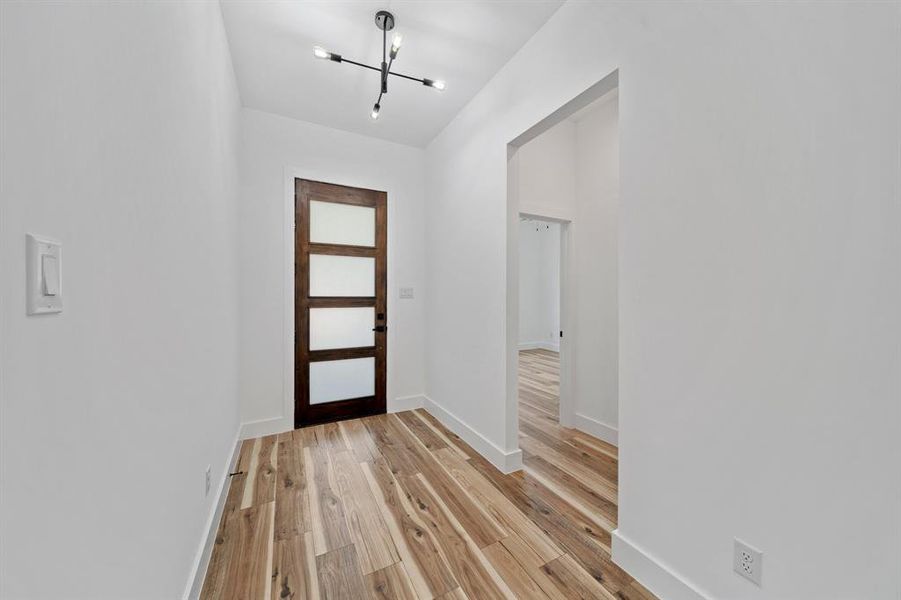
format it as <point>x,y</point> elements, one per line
<point>540,330</point>
<point>340,302</point>
<point>563,173</point>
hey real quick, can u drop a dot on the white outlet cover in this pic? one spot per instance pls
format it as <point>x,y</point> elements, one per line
<point>406,292</point>
<point>747,561</point>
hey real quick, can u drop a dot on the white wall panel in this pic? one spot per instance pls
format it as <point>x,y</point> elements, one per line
<point>758,278</point>
<point>120,131</point>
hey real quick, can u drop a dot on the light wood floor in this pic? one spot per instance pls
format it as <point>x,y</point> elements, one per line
<point>397,506</point>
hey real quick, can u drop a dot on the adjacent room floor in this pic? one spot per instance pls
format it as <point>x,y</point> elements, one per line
<point>397,506</point>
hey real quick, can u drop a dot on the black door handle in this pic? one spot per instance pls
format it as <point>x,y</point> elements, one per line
<point>380,328</point>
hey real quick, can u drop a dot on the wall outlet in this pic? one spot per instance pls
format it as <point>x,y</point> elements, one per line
<point>747,561</point>
<point>406,292</point>
<point>208,478</point>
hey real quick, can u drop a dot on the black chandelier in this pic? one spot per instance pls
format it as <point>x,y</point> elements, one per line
<point>384,20</point>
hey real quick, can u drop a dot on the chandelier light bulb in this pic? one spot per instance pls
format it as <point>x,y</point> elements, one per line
<point>435,83</point>
<point>395,45</point>
<point>375,111</point>
<point>320,52</point>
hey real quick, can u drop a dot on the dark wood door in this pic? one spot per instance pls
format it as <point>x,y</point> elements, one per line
<point>340,302</point>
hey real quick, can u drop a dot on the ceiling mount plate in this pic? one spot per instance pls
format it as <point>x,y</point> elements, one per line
<point>384,20</point>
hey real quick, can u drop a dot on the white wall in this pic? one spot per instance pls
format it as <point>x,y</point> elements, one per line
<point>759,282</point>
<point>595,280</point>
<point>547,179</point>
<point>271,147</point>
<point>539,284</point>
<point>119,138</point>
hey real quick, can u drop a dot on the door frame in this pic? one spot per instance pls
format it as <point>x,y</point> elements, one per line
<point>305,191</point>
<point>566,292</point>
<point>338,175</point>
<point>603,86</point>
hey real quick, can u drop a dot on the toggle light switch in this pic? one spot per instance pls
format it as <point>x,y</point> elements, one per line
<point>44,275</point>
<point>49,275</point>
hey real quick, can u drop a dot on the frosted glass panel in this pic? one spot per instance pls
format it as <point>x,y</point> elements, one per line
<point>332,223</point>
<point>341,327</point>
<point>342,275</point>
<point>333,380</point>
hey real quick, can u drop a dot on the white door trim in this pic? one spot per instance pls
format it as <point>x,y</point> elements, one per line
<point>567,418</point>
<point>337,176</point>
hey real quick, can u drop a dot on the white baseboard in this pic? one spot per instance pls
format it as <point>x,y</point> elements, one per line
<point>539,346</point>
<point>263,427</point>
<point>406,403</point>
<point>662,581</point>
<point>252,429</point>
<point>506,462</point>
<point>202,560</point>
<point>597,429</point>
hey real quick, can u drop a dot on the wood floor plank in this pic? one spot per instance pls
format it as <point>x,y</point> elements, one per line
<point>428,420</point>
<point>578,438</point>
<point>477,522</point>
<point>357,438</point>
<point>259,486</point>
<point>552,437</point>
<point>415,543</point>
<point>455,594</point>
<point>532,564</point>
<point>390,583</point>
<point>251,560</point>
<point>573,492</point>
<point>294,574</point>
<point>572,581</point>
<point>329,435</point>
<point>375,549</point>
<point>454,440</point>
<point>476,576</point>
<point>575,487</point>
<point>603,487</point>
<point>514,574</point>
<point>264,487</point>
<point>250,474</point>
<point>327,518</point>
<point>426,435</point>
<point>494,501</point>
<point>400,462</point>
<point>306,437</point>
<point>292,504</point>
<point>339,574</point>
<point>569,529</point>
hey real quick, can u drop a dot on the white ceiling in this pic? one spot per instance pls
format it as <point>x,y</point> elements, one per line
<point>462,42</point>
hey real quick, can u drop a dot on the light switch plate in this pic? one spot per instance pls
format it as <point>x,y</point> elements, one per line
<point>43,258</point>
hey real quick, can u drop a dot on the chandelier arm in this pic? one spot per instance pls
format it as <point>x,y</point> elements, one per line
<point>411,78</point>
<point>388,71</point>
<point>384,77</point>
<point>353,62</point>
